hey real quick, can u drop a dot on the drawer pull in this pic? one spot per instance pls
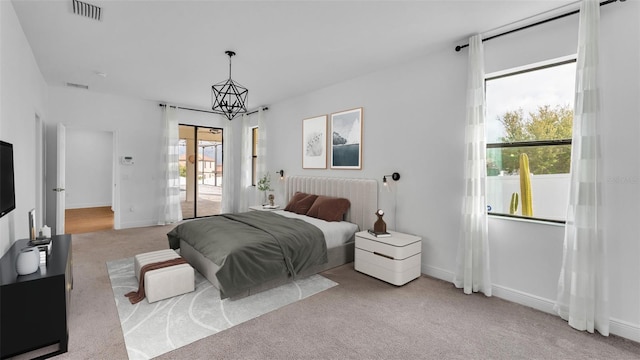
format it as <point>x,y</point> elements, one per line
<point>383,255</point>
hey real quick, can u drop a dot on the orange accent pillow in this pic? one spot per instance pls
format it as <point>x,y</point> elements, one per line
<point>329,208</point>
<point>300,203</point>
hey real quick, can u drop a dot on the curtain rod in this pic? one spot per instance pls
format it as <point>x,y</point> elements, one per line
<point>460,47</point>
<point>206,111</point>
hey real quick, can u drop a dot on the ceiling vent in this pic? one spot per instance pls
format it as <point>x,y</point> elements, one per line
<point>78,86</point>
<point>87,10</point>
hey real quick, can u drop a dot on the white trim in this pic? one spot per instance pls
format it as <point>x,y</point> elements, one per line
<point>138,224</point>
<point>88,205</point>
<point>522,298</point>
<point>437,273</point>
<point>115,173</point>
<point>617,327</point>
<point>624,329</point>
<point>532,66</point>
<point>523,219</point>
<point>502,292</point>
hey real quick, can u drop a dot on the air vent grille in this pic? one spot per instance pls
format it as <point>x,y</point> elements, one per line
<point>78,86</point>
<point>87,10</point>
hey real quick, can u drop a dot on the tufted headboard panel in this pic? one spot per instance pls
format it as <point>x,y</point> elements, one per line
<point>362,193</point>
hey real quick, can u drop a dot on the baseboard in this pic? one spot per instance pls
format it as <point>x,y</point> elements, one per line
<point>616,327</point>
<point>86,205</point>
<point>624,329</point>
<point>137,224</point>
<point>502,292</point>
<point>437,273</point>
<point>522,298</point>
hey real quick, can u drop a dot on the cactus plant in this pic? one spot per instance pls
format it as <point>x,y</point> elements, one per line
<point>525,186</point>
<point>513,206</point>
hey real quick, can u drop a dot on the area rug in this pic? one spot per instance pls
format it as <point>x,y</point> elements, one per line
<point>154,329</point>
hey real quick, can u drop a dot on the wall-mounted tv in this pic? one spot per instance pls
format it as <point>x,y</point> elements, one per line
<point>7,181</point>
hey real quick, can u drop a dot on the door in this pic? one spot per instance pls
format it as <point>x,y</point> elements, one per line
<point>60,179</point>
<point>200,166</point>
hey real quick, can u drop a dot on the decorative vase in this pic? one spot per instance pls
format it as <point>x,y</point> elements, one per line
<point>380,226</point>
<point>265,201</point>
<point>28,261</point>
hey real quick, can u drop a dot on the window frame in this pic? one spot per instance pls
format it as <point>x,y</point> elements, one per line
<point>254,155</point>
<point>552,142</point>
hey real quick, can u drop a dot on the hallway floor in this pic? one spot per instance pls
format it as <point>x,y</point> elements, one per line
<point>78,221</point>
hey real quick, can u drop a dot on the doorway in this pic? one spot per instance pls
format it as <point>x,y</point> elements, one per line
<point>88,180</point>
<point>200,164</point>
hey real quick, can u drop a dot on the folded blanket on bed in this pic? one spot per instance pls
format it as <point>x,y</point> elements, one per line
<point>137,296</point>
<point>253,247</point>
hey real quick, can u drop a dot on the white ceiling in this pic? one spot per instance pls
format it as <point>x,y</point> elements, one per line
<point>173,51</point>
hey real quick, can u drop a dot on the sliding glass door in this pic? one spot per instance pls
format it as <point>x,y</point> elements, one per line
<point>200,171</point>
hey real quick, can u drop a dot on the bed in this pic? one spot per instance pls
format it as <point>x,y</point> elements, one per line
<point>267,256</point>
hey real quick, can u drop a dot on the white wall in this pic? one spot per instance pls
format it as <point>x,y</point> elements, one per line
<point>413,124</point>
<point>89,159</point>
<point>22,96</point>
<point>138,127</point>
<point>620,60</point>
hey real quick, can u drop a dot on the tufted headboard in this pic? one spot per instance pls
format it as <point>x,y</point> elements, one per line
<point>362,193</point>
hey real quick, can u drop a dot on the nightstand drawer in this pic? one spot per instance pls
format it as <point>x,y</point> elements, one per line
<point>396,272</point>
<point>384,247</point>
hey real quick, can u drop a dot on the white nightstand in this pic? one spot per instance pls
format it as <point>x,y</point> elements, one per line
<point>260,208</point>
<point>395,259</point>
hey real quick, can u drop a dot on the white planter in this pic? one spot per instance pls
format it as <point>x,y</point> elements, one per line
<point>28,261</point>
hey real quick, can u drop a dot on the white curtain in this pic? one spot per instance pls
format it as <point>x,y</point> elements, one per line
<point>472,270</point>
<point>246,190</point>
<point>261,167</point>
<point>169,210</point>
<point>583,284</point>
<point>229,176</point>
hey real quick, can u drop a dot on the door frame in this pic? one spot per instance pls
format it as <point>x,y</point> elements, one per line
<point>61,144</point>
<point>61,174</point>
<point>196,165</point>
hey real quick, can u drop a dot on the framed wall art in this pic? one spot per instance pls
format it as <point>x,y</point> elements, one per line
<point>314,143</point>
<point>346,139</point>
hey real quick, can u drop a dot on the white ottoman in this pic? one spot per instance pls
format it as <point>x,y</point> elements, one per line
<point>166,282</point>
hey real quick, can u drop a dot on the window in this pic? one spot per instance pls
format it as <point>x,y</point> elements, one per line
<point>254,156</point>
<point>530,116</point>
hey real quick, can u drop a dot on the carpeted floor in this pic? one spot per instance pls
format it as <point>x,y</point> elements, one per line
<point>361,318</point>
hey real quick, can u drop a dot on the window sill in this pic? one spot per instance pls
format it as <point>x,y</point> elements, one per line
<point>526,220</point>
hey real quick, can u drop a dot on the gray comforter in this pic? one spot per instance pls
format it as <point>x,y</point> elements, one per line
<point>253,247</point>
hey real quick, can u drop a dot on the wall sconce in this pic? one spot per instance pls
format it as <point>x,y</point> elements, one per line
<point>281,172</point>
<point>395,177</point>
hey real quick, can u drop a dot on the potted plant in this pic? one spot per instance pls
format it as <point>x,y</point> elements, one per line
<point>264,185</point>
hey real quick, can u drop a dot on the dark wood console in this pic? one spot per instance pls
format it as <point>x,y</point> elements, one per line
<point>34,308</point>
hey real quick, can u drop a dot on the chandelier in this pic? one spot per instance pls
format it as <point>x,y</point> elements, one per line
<point>228,97</point>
